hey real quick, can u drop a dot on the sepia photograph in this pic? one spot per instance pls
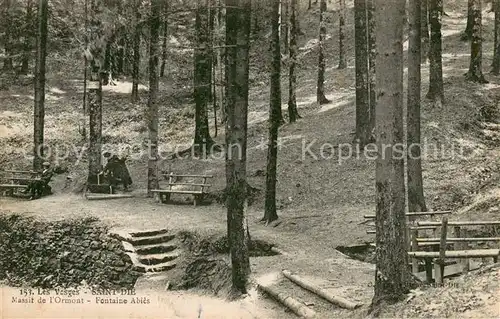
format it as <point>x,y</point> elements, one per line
<point>253,159</point>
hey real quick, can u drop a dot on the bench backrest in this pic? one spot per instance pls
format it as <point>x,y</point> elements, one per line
<point>198,183</point>
<point>15,176</point>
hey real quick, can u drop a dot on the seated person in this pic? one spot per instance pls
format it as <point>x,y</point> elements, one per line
<point>40,188</point>
<point>116,171</point>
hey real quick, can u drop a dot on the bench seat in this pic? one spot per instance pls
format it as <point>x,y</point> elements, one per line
<point>474,253</point>
<point>13,186</point>
<point>177,191</point>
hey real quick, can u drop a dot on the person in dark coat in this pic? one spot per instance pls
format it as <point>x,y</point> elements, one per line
<point>116,171</point>
<point>41,187</point>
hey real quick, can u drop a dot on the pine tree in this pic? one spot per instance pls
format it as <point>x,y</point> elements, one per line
<point>436,87</point>
<point>392,276</point>
<point>270,213</point>
<point>39,111</point>
<point>475,73</point>
<point>154,52</point>
<point>320,88</point>
<point>416,201</point>
<point>293,113</point>
<point>238,14</point>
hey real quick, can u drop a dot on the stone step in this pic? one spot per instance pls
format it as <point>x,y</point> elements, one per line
<point>155,259</point>
<point>149,240</point>
<point>155,268</point>
<point>147,233</point>
<point>154,249</point>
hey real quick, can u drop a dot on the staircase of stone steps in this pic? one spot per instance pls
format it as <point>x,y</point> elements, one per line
<point>151,251</point>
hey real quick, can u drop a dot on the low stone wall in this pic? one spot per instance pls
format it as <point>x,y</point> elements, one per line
<point>61,254</point>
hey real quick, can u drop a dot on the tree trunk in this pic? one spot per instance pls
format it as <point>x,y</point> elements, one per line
<point>284,25</point>
<point>154,51</point>
<point>95,98</point>
<point>27,38</point>
<point>165,41</point>
<point>237,40</point>
<point>320,88</point>
<point>219,71</point>
<point>475,73</point>
<point>495,66</point>
<point>274,120</point>
<point>256,22</point>
<point>372,53</point>
<point>363,131</point>
<point>39,112</point>
<point>309,5</point>
<point>7,62</point>
<point>416,201</point>
<point>120,58</point>
<point>436,88</point>
<point>107,62</point>
<point>137,53</point>
<point>95,121</point>
<point>202,77</point>
<point>83,124</point>
<point>342,57</point>
<point>467,34</point>
<point>424,30</point>
<point>293,113</point>
<point>127,70</point>
<point>392,277</point>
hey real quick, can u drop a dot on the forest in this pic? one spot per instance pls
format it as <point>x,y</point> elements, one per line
<point>310,121</point>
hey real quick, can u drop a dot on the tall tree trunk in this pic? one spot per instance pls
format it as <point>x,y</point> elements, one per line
<point>202,77</point>
<point>424,30</point>
<point>363,131</point>
<point>120,56</point>
<point>309,5</point>
<point>270,213</point>
<point>165,41</point>
<point>95,98</point>
<point>210,44</point>
<point>416,201</point>
<point>219,70</point>
<point>392,276</point>
<point>256,21</point>
<point>237,41</point>
<point>154,51</point>
<point>284,25</point>
<point>475,73</point>
<point>137,52</point>
<point>320,87</point>
<point>39,113</point>
<point>293,113</point>
<point>107,62</point>
<point>342,57</point>
<point>467,34</point>
<point>27,38</point>
<point>495,66</point>
<point>7,62</point>
<point>83,131</point>
<point>372,53</point>
<point>127,70</point>
<point>436,88</point>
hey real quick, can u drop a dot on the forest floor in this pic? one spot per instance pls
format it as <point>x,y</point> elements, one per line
<point>321,201</point>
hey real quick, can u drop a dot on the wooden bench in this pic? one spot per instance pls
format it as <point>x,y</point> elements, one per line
<point>460,248</point>
<point>412,225</point>
<point>417,214</point>
<point>12,180</point>
<point>197,189</point>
